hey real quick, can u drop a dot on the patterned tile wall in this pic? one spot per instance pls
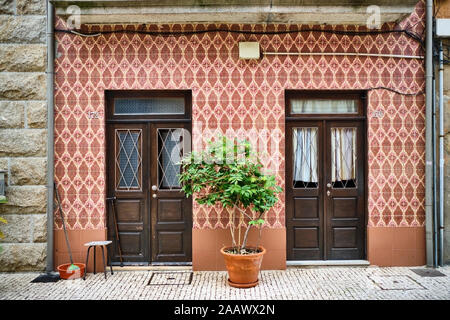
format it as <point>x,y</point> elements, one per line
<point>245,99</point>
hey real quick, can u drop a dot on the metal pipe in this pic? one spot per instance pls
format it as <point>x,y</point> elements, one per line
<point>428,134</point>
<point>441,155</point>
<point>378,55</point>
<point>433,144</point>
<point>50,133</point>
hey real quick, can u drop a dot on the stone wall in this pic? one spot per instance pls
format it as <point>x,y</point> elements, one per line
<point>23,133</point>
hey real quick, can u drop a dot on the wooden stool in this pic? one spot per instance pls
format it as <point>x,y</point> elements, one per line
<point>96,244</point>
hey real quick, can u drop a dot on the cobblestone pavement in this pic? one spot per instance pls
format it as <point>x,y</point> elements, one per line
<point>294,283</point>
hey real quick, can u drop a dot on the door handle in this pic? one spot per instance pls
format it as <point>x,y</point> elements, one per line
<point>328,185</point>
<point>154,187</point>
<point>328,193</point>
<point>154,195</point>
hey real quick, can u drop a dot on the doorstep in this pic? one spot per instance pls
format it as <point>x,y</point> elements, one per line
<point>152,268</point>
<point>313,263</point>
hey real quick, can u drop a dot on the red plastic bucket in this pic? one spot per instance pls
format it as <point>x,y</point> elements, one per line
<point>71,274</point>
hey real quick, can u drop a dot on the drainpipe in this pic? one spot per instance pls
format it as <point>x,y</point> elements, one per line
<point>428,134</point>
<point>50,133</point>
<point>441,155</point>
<point>433,147</point>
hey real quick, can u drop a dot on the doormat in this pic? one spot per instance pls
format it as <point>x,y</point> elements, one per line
<point>397,282</point>
<point>428,272</point>
<point>170,278</point>
<point>46,277</point>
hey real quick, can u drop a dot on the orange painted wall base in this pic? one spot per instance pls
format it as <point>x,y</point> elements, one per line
<point>77,239</point>
<point>399,246</point>
<point>386,246</point>
<point>206,246</point>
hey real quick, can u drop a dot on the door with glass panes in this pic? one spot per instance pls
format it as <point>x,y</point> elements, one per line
<point>144,146</point>
<point>325,160</point>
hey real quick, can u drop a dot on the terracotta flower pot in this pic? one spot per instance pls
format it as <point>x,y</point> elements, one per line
<point>71,274</point>
<point>243,269</point>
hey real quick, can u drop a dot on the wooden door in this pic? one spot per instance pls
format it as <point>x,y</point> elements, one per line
<point>344,195</point>
<point>304,205</point>
<point>127,176</point>
<point>325,211</point>
<point>171,211</point>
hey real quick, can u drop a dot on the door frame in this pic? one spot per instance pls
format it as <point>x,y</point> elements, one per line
<point>147,120</point>
<point>361,115</point>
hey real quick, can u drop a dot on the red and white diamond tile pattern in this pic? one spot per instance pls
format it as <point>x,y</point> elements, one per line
<point>243,99</point>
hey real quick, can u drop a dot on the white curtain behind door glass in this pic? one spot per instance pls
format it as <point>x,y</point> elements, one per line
<point>343,154</point>
<point>305,154</point>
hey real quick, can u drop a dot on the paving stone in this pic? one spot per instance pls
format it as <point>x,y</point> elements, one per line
<point>396,282</point>
<point>295,283</point>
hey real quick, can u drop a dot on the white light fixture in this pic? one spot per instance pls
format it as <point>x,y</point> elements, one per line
<point>248,50</point>
<point>443,28</point>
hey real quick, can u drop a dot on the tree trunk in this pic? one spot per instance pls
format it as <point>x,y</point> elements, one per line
<point>233,240</point>
<point>244,242</point>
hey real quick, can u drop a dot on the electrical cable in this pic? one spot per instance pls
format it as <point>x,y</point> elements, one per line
<point>407,32</point>
<point>174,33</point>
<point>398,92</point>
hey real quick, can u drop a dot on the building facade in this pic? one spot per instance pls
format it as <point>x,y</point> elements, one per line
<point>247,99</point>
<point>337,113</point>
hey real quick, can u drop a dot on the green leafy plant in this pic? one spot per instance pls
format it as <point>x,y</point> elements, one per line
<point>230,174</point>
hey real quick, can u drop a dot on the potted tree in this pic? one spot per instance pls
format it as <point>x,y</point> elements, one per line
<point>228,173</point>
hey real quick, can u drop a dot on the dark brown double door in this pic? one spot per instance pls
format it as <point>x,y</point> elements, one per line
<point>325,210</point>
<point>154,218</point>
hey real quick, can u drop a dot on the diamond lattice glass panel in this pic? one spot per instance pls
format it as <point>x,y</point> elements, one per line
<point>323,106</point>
<point>170,153</point>
<point>149,106</point>
<point>128,159</point>
<point>305,157</point>
<point>343,157</point>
